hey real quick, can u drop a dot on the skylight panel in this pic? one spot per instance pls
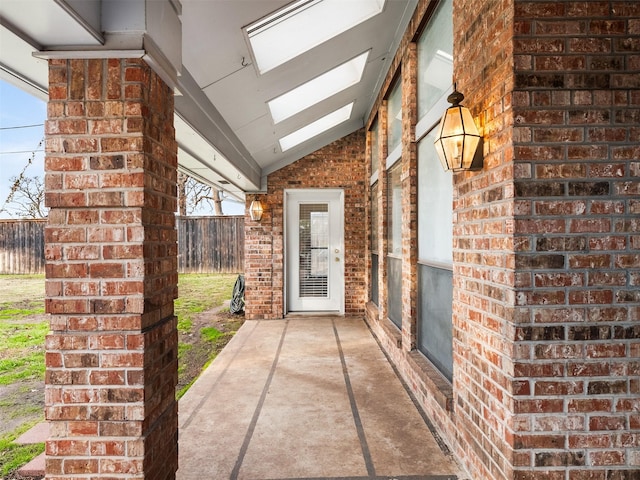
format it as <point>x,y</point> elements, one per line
<point>321,125</point>
<point>304,25</point>
<point>318,89</point>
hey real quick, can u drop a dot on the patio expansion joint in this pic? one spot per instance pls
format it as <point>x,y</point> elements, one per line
<point>258,409</point>
<point>366,453</point>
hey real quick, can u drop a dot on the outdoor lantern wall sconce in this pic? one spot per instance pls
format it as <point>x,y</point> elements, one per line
<point>256,210</point>
<point>458,137</point>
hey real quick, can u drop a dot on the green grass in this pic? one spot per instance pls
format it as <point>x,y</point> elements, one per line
<point>13,455</point>
<point>22,289</point>
<point>22,345</point>
<point>184,389</point>
<point>210,334</point>
<point>13,313</point>
<point>199,293</point>
<point>183,348</point>
<point>20,410</point>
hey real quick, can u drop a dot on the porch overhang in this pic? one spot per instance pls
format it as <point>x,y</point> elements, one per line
<point>225,133</point>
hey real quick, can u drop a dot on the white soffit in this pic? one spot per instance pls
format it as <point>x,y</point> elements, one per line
<point>20,68</point>
<point>318,89</point>
<point>321,125</point>
<point>50,23</point>
<point>199,155</point>
<point>303,25</point>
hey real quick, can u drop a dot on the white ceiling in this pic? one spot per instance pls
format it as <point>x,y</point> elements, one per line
<point>224,129</point>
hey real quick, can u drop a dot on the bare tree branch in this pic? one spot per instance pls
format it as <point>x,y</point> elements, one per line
<point>21,182</point>
<point>27,197</point>
<point>193,195</point>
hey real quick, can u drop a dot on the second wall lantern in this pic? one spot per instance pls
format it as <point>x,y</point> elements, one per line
<point>256,210</point>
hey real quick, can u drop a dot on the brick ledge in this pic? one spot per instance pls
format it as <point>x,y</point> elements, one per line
<point>388,327</point>
<point>392,331</point>
<point>439,387</point>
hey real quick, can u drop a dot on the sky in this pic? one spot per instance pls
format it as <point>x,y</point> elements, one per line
<point>19,109</point>
<point>19,142</point>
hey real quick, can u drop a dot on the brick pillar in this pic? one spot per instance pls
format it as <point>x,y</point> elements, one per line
<point>262,300</point>
<point>577,184</point>
<point>111,272</point>
<point>409,199</point>
<point>547,252</point>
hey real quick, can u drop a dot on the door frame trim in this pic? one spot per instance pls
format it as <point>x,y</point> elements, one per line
<point>287,192</point>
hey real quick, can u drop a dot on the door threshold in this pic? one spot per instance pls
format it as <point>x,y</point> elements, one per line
<point>313,314</point>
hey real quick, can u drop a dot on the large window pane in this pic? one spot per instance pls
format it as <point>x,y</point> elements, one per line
<point>374,218</point>
<point>435,206</point>
<point>394,290</point>
<point>394,257</point>
<point>394,213</point>
<point>394,118</point>
<point>435,58</point>
<point>435,309</point>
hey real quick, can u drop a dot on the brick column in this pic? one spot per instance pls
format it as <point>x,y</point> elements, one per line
<point>546,298</point>
<point>483,252</point>
<point>577,326</point>
<point>409,199</point>
<point>111,272</point>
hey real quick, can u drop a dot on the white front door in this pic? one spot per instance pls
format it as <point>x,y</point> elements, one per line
<point>314,233</point>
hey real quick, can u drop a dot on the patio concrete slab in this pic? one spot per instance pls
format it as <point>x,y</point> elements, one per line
<point>305,398</point>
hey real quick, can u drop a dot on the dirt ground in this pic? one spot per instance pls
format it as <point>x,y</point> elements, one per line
<point>17,476</point>
<point>201,351</point>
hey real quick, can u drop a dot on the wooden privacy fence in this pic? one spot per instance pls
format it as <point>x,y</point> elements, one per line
<point>22,246</point>
<point>211,244</point>
<point>205,245</point>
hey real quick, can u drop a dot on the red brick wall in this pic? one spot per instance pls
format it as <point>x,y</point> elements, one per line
<point>576,361</point>
<point>111,271</point>
<point>546,247</point>
<point>338,165</point>
<point>546,261</point>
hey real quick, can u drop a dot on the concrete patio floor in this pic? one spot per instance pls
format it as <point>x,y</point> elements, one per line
<point>305,398</point>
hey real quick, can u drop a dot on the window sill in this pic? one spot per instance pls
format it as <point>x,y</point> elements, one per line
<point>439,387</point>
<point>388,327</point>
<point>392,331</point>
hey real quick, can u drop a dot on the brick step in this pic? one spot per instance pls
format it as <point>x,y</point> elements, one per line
<point>37,434</point>
<point>35,468</point>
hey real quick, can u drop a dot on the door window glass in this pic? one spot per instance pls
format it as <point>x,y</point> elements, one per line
<point>314,249</point>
